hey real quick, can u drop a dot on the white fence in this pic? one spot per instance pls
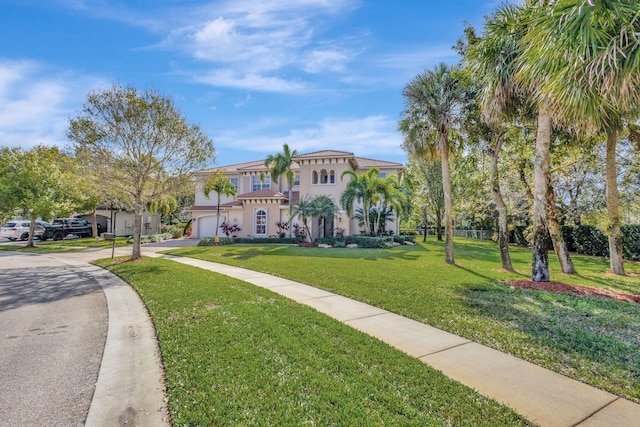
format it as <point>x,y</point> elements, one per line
<point>469,234</point>
<point>474,234</point>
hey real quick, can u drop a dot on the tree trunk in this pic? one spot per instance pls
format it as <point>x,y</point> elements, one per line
<point>540,261</point>
<point>446,187</point>
<point>290,210</point>
<point>137,230</point>
<point>94,225</point>
<point>32,230</point>
<point>615,236</point>
<point>555,231</point>
<point>217,238</point>
<point>503,232</point>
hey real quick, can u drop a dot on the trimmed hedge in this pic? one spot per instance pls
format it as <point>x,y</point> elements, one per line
<point>590,240</point>
<point>152,238</point>
<point>210,241</point>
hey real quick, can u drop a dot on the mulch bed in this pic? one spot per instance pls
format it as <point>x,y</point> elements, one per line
<point>567,288</point>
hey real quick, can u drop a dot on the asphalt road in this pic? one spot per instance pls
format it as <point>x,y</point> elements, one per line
<point>53,326</point>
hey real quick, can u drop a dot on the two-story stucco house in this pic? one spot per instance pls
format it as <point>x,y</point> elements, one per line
<point>258,205</point>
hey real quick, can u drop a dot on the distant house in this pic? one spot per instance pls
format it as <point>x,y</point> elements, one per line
<point>258,205</point>
<point>121,222</point>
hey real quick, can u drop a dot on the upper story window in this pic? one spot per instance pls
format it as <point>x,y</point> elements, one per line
<point>235,182</point>
<point>323,177</point>
<point>297,180</point>
<point>382,175</point>
<point>256,184</point>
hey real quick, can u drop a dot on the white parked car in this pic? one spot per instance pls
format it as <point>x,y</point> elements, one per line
<point>19,229</point>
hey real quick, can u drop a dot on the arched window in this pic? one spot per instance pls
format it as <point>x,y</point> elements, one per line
<point>314,177</point>
<point>324,177</point>
<point>332,177</point>
<point>261,222</point>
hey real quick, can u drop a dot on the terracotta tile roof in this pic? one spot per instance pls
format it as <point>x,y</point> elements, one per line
<point>324,153</point>
<point>231,204</point>
<point>258,165</point>
<point>368,163</point>
<point>262,194</point>
<point>237,167</point>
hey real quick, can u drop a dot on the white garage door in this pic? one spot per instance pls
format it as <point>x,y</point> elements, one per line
<point>207,226</point>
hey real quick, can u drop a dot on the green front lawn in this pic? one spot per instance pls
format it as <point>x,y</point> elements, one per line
<point>65,245</point>
<point>236,354</point>
<point>594,340</point>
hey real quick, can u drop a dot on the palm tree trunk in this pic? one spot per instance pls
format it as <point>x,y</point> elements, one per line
<point>217,238</point>
<point>615,236</point>
<point>540,262</point>
<point>559,245</point>
<point>290,210</point>
<point>446,188</point>
<point>503,236</point>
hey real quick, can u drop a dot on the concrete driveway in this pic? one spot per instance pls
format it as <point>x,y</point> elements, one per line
<point>53,326</point>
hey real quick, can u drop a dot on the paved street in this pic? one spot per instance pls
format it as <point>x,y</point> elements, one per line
<point>53,325</point>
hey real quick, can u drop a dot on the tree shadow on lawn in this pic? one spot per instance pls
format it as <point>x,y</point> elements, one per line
<point>575,328</point>
<point>407,253</point>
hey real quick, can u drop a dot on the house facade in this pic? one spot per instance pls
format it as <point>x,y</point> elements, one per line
<point>260,204</point>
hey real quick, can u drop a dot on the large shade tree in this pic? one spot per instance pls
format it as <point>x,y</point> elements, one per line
<point>39,183</point>
<point>433,101</point>
<point>143,144</point>
<point>281,164</point>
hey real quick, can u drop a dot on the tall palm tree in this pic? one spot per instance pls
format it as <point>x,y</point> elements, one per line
<point>220,184</point>
<point>490,60</point>
<point>281,164</point>
<point>433,100</point>
<point>322,207</point>
<point>304,210</point>
<point>360,189</point>
<point>390,196</point>
<point>587,59</point>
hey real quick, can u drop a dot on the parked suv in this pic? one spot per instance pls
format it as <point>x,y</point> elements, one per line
<point>19,229</point>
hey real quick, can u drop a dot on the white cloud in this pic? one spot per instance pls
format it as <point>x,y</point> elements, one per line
<point>371,136</point>
<point>256,45</point>
<point>228,78</point>
<point>36,103</point>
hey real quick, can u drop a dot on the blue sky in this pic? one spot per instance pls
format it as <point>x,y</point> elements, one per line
<point>316,74</point>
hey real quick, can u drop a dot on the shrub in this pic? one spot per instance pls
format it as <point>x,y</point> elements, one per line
<point>211,241</point>
<point>230,229</point>
<point>404,238</point>
<point>631,242</point>
<point>368,242</point>
<point>260,240</point>
<point>175,230</point>
<point>151,238</point>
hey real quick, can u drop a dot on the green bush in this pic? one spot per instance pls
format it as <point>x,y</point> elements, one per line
<point>402,239</point>
<point>176,230</point>
<point>210,241</point>
<point>151,238</point>
<point>367,241</point>
<point>631,242</point>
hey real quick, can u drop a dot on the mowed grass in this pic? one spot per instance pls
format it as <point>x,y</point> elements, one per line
<point>65,245</point>
<point>594,340</point>
<point>236,354</point>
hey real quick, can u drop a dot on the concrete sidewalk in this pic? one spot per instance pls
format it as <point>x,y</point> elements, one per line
<point>543,396</point>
